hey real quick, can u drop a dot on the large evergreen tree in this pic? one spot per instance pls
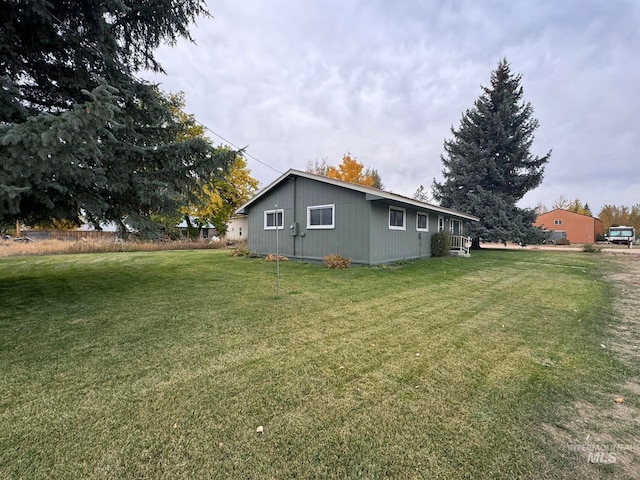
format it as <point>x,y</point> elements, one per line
<point>79,132</point>
<point>488,166</point>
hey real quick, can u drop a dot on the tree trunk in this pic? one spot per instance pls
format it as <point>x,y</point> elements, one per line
<point>122,231</point>
<point>191,233</point>
<point>475,243</point>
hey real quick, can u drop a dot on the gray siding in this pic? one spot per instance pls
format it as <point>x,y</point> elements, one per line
<point>389,245</point>
<point>264,241</point>
<point>361,230</point>
<point>349,238</point>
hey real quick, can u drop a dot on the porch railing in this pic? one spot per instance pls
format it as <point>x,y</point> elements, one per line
<point>460,245</point>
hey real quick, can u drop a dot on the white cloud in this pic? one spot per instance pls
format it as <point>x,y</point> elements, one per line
<point>385,81</point>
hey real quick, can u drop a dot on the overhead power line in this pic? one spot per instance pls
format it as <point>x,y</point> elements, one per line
<point>243,150</point>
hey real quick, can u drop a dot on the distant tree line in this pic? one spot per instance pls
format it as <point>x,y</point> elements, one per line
<point>562,203</point>
<point>615,216</point>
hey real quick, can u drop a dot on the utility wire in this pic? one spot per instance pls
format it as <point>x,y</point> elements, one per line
<point>242,150</point>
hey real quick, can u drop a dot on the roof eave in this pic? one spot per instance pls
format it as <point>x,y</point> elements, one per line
<point>371,194</point>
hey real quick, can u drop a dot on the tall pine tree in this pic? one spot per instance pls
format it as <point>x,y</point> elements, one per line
<point>488,166</point>
<point>79,132</point>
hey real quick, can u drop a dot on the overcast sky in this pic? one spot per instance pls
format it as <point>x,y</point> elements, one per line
<point>300,81</point>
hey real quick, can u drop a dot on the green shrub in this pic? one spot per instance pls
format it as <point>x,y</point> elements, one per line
<point>563,241</point>
<point>336,261</point>
<point>591,248</point>
<point>440,244</point>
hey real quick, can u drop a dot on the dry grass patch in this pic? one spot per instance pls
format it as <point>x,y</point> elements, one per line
<point>601,439</point>
<point>608,423</point>
<point>272,257</point>
<point>337,261</point>
<point>55,247</point>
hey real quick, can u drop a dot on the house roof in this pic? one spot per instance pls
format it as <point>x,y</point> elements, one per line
<point>183,224</point>
<point>555,210</point>
<point>370,192</point>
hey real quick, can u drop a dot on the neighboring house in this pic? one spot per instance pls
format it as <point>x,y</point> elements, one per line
<point>237,229</point>
<point>575,227</point>
<point>208,232</point>
<point>307,216</point>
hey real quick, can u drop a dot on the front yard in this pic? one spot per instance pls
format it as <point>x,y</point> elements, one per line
<point>163,365</point>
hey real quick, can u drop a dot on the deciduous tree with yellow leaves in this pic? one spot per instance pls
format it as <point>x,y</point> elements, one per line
<point>620,215</point>
<point>350,170</point>
<point>222,196</point>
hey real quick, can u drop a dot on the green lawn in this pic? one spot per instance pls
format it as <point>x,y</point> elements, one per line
<point>162,365</point>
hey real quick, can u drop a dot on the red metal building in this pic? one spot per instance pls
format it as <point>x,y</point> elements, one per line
<point>575,227</point>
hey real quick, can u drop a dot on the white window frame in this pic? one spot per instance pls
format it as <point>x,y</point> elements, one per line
<point>279,227</point>
<point>557,222</point>
<point>310,208</point>
<point>451,224</point>
<point>418,229</point>
<point>404,218</point>
<point>440,223</point>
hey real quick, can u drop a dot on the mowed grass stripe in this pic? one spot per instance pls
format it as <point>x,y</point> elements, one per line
<point>162,364</point>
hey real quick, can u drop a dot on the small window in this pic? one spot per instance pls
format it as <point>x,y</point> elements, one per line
<point>440,223</point>
<point>321,216</point>
<point>274,219</point>
<point>396,218</point>
<point>422,222</point>
<point>557,222</point>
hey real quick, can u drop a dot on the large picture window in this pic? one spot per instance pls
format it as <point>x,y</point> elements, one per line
<point>321,216</point>
<point>397,218</point>
<point>422,222</point>
<point>274,219</point>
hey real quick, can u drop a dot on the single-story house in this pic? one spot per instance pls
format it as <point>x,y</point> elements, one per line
<point>306,216</point>
<point>575,227</point>
<point>207,232</point>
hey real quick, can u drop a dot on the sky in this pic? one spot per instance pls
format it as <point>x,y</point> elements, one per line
<point>385,81</point>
